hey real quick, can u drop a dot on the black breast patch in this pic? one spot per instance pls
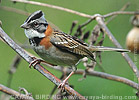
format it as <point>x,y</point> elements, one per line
<point>35,41</point>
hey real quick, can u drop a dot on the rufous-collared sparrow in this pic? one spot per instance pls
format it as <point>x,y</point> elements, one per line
<point>56,47</point>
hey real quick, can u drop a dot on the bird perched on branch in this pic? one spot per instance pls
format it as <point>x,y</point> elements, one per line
<point>56,47</point>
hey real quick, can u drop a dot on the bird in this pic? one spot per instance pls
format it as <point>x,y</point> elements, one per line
<point>56,47</point>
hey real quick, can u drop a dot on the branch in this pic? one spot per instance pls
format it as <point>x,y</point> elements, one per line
<point>112,38</point>
<point>90,20</point>
<point>14,93</point>
<point>98,74</point>
<point>93,73</point>
<point>15,10</point>
<point>73,11</point>
<point>103,26</point>
<point>122,9</point>
<point>53,6</point>
<point>13,68</point>
<point>110,77</point>
<point>38,67</point>
<point>121,12</point>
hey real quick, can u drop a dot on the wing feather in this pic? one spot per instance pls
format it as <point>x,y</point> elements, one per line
<point>71,44</point>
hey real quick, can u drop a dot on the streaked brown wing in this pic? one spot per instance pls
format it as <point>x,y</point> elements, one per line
<point>71,44</point>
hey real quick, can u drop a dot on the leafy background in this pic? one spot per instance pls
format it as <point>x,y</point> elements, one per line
<point>112,62</point>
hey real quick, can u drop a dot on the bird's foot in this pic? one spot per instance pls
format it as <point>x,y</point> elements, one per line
<point>62,85</point>
<point>35,62</point>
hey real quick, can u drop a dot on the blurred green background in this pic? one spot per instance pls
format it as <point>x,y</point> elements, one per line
<point>112,62</point>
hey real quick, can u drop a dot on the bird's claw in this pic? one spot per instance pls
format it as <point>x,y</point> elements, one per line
<point>62,86</point>
<point>35,62</point>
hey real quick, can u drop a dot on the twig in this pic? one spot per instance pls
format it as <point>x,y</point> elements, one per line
<point>72,26</point>
<point>110,77</point>
<point>76,12</point>
<point>90,20</point>
<point>86,23</point>
<point>97,30</point>
<point>14,64</point>
<point>13,68</point>
<point>14,93</point>
<point>38,67</point>
<point>112,38</point>
<point>54,89</point>
<point>121,13</point>
<point>93,73</point>
<point>15,10</point>
<point>101,23</point>
<point>122,9</point>
<point>53,6</point>
<point>99,74</point>
<point>25,91</point>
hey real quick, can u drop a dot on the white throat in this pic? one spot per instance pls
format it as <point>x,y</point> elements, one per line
<point>30,33</point>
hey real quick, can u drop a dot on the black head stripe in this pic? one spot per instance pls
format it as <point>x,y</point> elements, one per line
<point>35,15</point>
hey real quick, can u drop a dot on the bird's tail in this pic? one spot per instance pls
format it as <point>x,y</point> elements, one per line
<point>101,48</point>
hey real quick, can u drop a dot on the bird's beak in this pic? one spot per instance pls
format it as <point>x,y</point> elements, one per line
<point>25,26</point>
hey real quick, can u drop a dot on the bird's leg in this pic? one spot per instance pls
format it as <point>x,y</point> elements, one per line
<point>62,84</point>
<point>37,61</point>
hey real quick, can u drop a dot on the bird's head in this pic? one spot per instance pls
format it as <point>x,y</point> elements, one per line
<point>35,25</point>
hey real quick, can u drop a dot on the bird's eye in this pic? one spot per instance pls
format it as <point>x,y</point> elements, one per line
<point>35,24</point>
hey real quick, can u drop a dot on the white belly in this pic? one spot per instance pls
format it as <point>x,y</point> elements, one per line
<point>57,57</point>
